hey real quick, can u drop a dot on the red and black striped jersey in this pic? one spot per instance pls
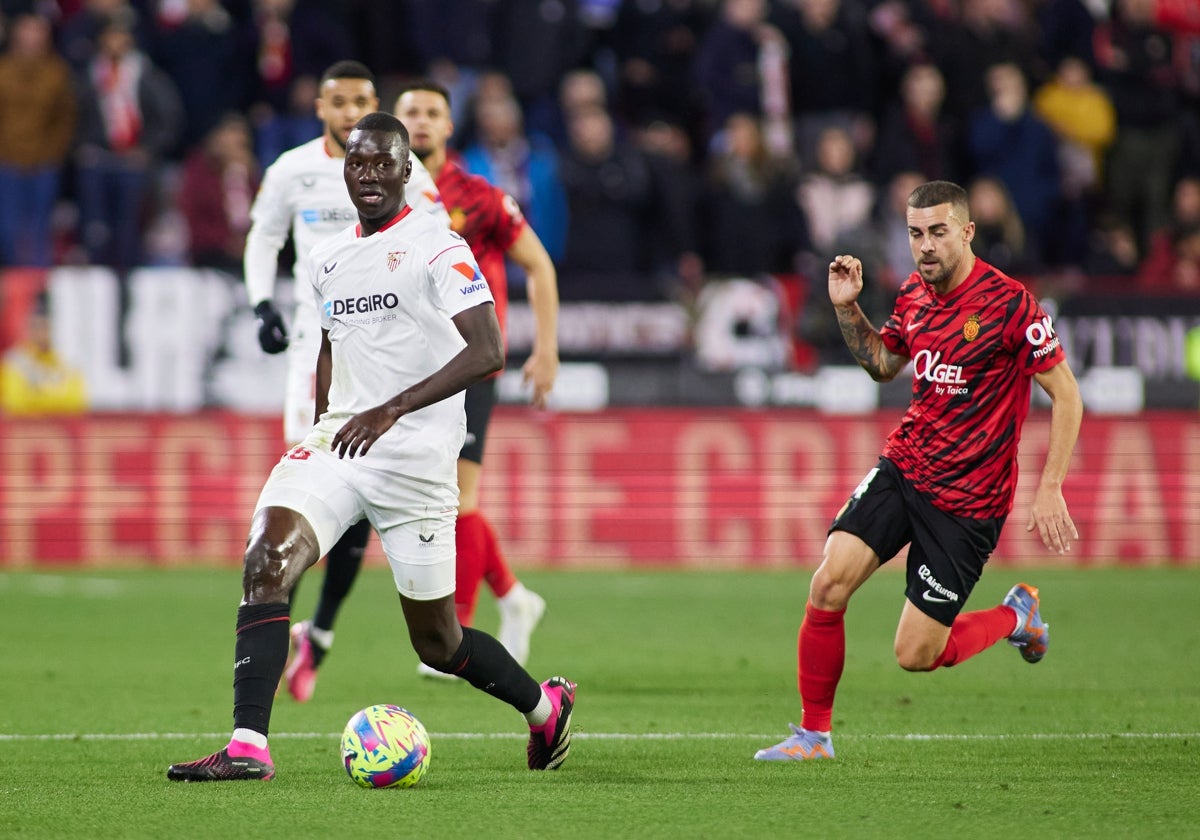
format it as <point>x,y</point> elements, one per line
<point>974,352</point>
<point>488,218</point>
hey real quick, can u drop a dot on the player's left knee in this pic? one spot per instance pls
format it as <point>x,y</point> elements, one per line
<point>916,657</point>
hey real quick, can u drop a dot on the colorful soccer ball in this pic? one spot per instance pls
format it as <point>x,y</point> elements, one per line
<point>385,746</point>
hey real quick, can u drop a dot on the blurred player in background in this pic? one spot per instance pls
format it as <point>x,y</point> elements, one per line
<point>303,193</point>
<point>946,479</point>
<point>407,322</point>
<point>494,226</point>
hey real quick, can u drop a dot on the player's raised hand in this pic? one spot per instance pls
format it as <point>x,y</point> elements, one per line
<point>272,334</point>
<point>362,430</point>
<point>540,370</point>
<point>845,279</point>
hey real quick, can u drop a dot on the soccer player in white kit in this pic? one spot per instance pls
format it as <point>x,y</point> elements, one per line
<point>303,193</point>
<point>407,322</point>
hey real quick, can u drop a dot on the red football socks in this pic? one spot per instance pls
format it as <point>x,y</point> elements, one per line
<point>821,655</point>
<point>977,631</point>
<point>470,542</point>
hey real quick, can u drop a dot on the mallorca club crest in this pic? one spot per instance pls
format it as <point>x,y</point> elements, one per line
<point>971,328</point>
<point>394,258</point>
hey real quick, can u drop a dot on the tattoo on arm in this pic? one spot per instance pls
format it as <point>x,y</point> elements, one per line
<point>867,346</point>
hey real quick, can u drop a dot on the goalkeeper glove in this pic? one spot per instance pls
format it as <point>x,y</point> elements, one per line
<point>272,334</point>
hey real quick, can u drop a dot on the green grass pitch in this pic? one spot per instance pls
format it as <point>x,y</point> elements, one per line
<point>106,677</point>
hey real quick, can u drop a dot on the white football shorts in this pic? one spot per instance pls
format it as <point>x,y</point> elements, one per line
<point>415,518</point>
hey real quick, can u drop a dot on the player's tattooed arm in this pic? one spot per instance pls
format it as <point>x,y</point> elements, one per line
<point>866,344</point>
<point>864,341</point>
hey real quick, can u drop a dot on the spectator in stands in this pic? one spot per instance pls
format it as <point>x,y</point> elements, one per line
<point>130,118</point>
<point>285,130</point>
<point>999,231</point>
<point>34,379</point>
<point>823,35</point>
<point>917,134</point>
<point>79,38</point>
<point>220,180</point>
<point>836,198</point>
<point>750,222</point>
<point>1009,142</point>
<point>1112,248</point>
<point>891,231</point>
<point>610,201</point>
<point>290,39</point>
<point>524,166</point>
<point>1169,250</point>
<point>726,69</point>
<point>655,45</point>
<point>37,121</point>
<point>983,34</point>
<point>1082,117</point>
<point>207,58</point>
<point>1177,268</point>
<point>1136,66</point>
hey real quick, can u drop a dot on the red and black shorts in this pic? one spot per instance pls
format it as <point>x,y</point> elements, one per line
<point>946,553</point>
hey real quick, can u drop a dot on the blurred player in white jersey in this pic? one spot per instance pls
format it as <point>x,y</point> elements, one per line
<point>407,322</point>
<point>303,193</point>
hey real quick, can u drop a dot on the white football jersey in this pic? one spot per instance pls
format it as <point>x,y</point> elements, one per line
<point>304,192</point>
<point>387,301</point>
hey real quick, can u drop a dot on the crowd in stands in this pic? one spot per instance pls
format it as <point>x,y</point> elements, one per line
<point>654,144</point>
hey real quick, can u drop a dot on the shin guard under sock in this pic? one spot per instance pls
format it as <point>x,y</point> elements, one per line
<point>974,632</point>
<point>484,663</point>
<point>821,656</point>
<point>259,655</point>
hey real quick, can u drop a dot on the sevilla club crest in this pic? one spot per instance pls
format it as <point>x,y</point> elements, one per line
<point>394,258</point>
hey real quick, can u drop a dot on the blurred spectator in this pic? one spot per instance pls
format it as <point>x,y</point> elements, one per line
<point>220,180</point>
<point>1008,141</point>
<point>916,133</point>
<point>1082,117</point>
<point>1065,28</point>
<point>999,232</point>
<point>130,118</point>
<point>985,33</point>
<point>1175,268</point>
<point>1112,249</point>
<point>207,58</point>
<point>836,198</point>
<point>1135,65</point>
<point>655,45</point>
<point>524,166</point>
<point>79,36</point>
<point>288,129</point>
<point>37,122</point>
<point>561,43</point>
<point>891,226</point>
<point>290,38</point>
<point>1185,213</point>
<point>611,204</point>
<point>580,89</point>
<point>750,222</point>
<point>832,66</point>
<point>900,38</point>
<point>34,379</point>
<point>726,70</point>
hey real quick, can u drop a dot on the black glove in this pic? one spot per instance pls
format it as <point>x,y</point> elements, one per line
<point>272,334</point>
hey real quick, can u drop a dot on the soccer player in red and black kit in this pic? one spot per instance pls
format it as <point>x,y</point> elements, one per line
<point>946,479</point>
<point>494,227</point>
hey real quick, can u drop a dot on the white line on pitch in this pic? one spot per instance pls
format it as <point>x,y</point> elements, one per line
<point>621,736</point>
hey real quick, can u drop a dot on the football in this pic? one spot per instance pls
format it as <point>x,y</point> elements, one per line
<point>385,746</point>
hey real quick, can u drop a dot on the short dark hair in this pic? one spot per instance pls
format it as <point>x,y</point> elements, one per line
<point>385,122</point>
<point>347,70</point>
<point>427,85</point>
<point>933,193</point>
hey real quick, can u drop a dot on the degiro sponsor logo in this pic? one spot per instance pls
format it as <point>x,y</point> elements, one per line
<point>1042,336</point>
<point>360,305</point>
<point>340,215</point>
<point>947,378</point>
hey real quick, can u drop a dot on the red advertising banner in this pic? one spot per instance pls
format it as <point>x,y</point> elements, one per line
<point>666,487</point>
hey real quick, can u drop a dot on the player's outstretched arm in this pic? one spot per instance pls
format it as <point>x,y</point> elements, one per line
<point>864,341</point>
<point>483,356</point>
<point>1049,513</point>
<point>541,368</point>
